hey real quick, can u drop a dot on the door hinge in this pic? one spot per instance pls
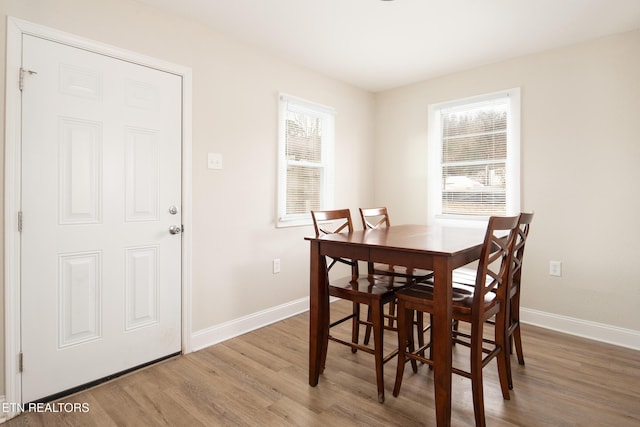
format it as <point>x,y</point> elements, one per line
<point>21,78</point>
<point>20,221</point>
<point>20,362</point>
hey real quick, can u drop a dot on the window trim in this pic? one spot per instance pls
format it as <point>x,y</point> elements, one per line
<point>434,153</point>
<point>327,164</point>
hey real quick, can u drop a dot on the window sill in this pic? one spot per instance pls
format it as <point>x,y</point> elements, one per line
<point>293,222</point>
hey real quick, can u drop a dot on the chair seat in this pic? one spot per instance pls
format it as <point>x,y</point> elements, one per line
<point>373,285</point>
<point>462,294</point>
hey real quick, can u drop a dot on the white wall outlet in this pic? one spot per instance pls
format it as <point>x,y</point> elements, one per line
<point>214,161</point>
<point>555,268</point>
<point>276,266</point>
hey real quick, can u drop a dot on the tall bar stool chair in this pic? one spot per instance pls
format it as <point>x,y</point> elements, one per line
<point>465,276</point>
<point>513,330</point>
<point>372,291</point>
<point>475,305</point>
<point>374,218</point>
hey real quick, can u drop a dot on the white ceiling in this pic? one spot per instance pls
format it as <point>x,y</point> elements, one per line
<point>378,45</point>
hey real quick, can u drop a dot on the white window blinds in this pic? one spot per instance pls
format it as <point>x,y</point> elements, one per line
<point>474,156</point>
<point>478,157</point>
<point>305,159</point>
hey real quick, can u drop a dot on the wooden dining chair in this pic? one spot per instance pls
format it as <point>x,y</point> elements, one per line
<point>513,328</point>
<point>370,290</point>
<point>463,276</point>
<point>474,305</point>
<point>375,218</point>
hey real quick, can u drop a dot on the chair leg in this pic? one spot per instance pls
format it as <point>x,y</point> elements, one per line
<point>431,346</point>
<point>517,338</point>
<point>420,328</point>
<point>324,344</point>
<point>392,313</point>
<point>403,342</point>
<point>454,328</point>
<point>367,331</point>
<point>506,354</point>
<point>503,359</point>
<point>355,325</point>
<point>408,328</point>
<point>476,375</point>
<point>378,329</point>
<point>515,316</point>
<point>507,347</point>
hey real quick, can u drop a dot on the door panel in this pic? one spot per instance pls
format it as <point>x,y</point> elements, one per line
<point>101,165</point>
<point>79,302</point>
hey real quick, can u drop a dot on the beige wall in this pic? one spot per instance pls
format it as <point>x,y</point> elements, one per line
<point>235,111</point>
<point>580,159</point>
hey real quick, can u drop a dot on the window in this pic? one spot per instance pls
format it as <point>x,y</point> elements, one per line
<point>474,151</point>
<point>305,160</point>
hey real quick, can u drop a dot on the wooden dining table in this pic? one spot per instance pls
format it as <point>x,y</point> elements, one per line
<point>438,248</point>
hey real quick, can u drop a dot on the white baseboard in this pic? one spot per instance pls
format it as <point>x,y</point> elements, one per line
<point>216,334</point>
<point>582,328</point>
<point>592,330</point>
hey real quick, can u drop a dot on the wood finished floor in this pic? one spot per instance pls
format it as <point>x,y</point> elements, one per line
<point>261,379</point>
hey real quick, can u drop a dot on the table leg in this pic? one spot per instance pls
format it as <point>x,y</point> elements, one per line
<point>441,336</point>
<point>318,313</point>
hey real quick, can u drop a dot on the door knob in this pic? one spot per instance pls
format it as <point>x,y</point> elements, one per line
<point>175,229</point>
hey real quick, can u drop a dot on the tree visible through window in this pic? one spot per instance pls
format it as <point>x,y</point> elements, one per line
<point>305,158</point>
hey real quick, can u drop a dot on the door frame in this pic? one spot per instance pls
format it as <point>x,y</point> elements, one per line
<point>16,28</point>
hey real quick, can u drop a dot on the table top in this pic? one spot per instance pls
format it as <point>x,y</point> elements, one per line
<point>433,239</point>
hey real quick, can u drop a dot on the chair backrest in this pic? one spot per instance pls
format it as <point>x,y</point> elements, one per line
<point>374,218</point>
<point>523,232</point>
<point>495,264</point>
<point>335,221</point>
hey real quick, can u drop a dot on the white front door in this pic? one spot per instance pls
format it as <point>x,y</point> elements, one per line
<point>101,186</point>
